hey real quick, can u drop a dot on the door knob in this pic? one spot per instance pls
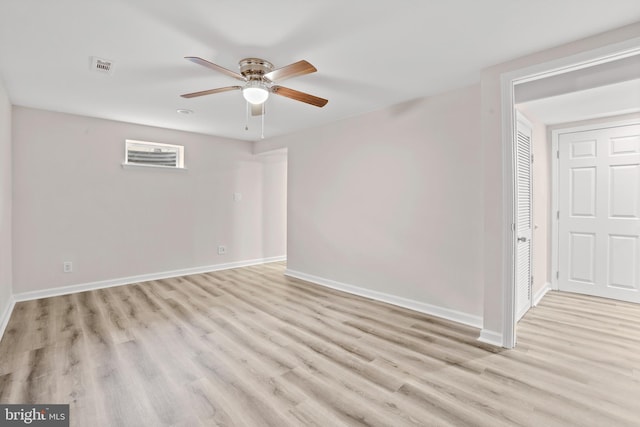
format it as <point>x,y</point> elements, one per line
<point>522,239</point>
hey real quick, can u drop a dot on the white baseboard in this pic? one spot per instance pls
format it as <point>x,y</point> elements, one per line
<point>541,293</point>
<point>491,337</point>
<point>6,315</point>
<point>445,313</point>
<point>65,290</point>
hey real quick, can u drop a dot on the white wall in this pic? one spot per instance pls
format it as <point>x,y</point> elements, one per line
<point>391,201</point>
<point>74,202</point>
<point>495,226</point>
<point>274,201</point>
<point>541,256</point>
<point>5,203</point>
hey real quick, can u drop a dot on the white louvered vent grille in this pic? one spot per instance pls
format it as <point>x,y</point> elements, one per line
<point>523,218</point>
<point>523,151</point>
<point>154,154</point>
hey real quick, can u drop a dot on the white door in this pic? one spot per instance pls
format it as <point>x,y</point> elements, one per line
<point>599,218</point>
<point>523,216</point>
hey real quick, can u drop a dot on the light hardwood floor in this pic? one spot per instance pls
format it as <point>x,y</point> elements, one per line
<point>251,347</point>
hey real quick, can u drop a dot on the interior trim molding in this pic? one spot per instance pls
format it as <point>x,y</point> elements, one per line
<point>433,310</point>
<point>4,317</point>
<point>65,290</point>
<point>491,337</point>
<point>541,293</point>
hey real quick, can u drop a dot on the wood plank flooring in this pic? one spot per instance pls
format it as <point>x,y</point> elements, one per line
<point>251,347</point>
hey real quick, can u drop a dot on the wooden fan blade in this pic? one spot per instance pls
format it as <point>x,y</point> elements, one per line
<point>257,109</point>
<point>215,67</point>
<point>292,70</point>
<point>299,96</point>
<point>211,91</point>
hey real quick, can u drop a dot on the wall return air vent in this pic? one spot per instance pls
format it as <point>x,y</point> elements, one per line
<point>101,65</point>
<point>143,153</point>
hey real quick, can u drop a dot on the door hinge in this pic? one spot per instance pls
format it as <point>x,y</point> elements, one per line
<point>557,274</point>
<point>531,158</point>
<point>558,154</point>
<point>558,215</point>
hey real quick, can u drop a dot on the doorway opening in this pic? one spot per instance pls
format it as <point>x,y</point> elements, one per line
<point>540,75</point>
<point>274,204</point>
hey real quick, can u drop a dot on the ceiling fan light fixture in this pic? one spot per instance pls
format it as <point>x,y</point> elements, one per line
<point>255,92</point>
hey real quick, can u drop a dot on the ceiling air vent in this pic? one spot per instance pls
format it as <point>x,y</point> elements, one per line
<point>101,65</point>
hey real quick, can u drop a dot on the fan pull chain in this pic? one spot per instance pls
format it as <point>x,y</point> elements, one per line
<point>262,121</point>
<point>246,121</point>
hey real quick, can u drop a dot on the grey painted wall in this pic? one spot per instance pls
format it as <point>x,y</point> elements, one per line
<point>74,202</point>
<point>391,201</point>
<point>5,201</point>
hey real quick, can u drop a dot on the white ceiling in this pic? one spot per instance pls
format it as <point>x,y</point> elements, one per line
<point>604,101</point>
<point>369,54</point>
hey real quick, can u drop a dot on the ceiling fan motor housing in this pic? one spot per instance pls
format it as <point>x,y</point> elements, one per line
<point>255,68</point>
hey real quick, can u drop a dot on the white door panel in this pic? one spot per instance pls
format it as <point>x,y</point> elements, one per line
<point>583,191</point>
<point>623,265</point>
<point>582,257</point>
<point>625,145</point>
<point>624,181</point>
<point>599,219</point>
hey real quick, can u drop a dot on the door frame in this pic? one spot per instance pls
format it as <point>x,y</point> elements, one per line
<point>555,184</point>
<point>508,81</point>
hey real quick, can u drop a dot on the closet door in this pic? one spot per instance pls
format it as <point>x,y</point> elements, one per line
<point>599,218</point>
<point>523,224</point>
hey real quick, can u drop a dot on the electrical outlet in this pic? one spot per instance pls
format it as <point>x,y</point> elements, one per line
<point>67,266</point>
<point>222,250</point>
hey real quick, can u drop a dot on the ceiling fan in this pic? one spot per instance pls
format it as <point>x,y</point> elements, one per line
<point>260,79</point>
